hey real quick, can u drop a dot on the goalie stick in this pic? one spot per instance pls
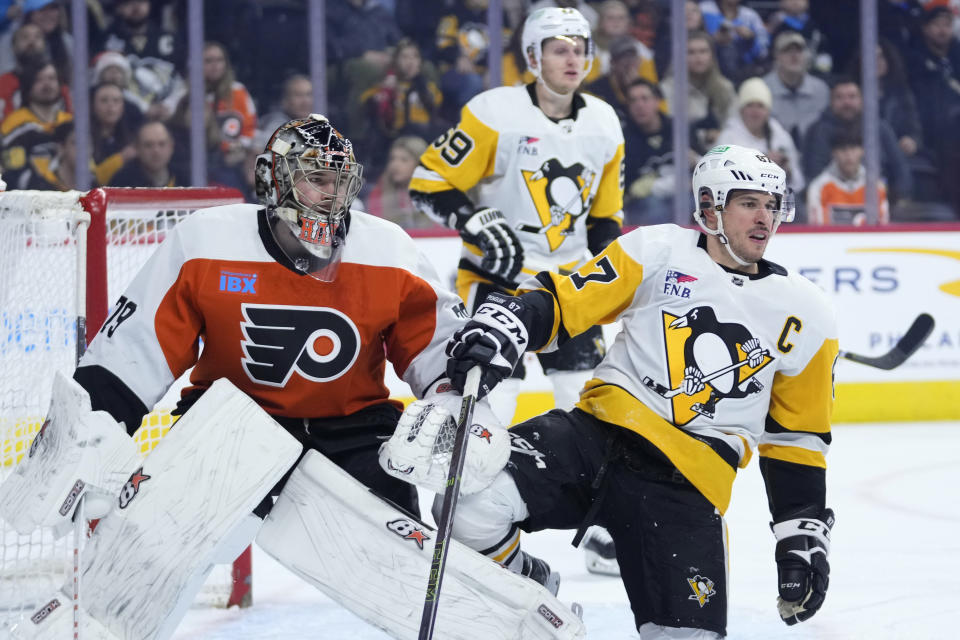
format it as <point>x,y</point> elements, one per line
<point>471,389</point>
<point>906,346</point>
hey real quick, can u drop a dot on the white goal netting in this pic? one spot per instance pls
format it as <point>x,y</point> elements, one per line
<point>43,259</point>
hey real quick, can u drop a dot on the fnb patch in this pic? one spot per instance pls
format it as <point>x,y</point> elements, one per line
<point>675,283</point>
<point>235,282</point>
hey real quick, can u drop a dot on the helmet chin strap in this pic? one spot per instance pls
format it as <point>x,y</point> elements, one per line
<point>721,236</point>
<point>546,87</point>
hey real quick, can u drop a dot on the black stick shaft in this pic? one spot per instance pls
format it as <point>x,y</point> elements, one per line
<point>450,498</point>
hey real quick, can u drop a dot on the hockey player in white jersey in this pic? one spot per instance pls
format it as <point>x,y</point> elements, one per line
<point>721,354</point>
<point>531,178</point>
<point>299,302</point>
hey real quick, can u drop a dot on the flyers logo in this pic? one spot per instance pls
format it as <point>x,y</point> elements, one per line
<point>319,343</point>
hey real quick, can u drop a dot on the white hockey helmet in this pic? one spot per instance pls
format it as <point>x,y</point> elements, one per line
<point>554,22</point>
<point>728,168</point>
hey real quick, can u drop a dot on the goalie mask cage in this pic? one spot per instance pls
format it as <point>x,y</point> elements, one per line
<point>63,256</point>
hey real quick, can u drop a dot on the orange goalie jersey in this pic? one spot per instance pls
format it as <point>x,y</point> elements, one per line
<point>301,348</point>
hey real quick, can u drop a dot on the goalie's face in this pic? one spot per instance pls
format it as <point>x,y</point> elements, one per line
<point>564,62</point>
<point>328,192</point>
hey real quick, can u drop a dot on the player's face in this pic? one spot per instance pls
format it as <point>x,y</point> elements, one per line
<point>748,224</point>
<point>563,63</point>
<point>320,190</point>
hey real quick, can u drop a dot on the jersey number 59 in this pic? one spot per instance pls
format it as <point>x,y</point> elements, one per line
<point>454,146</point>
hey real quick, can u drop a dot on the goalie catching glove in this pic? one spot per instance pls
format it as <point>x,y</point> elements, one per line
<point>489,231</point>
<point>421,447</point>
<point>802,568</point>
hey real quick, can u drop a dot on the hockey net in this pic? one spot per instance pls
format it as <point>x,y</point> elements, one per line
<point>63,256</point>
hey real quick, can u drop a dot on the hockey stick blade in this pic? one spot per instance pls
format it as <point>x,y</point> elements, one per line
<point>906,346</point>
<point>471,390</point>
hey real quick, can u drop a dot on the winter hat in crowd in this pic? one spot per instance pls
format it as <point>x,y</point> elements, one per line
<point>109,59</point>
<point>754,90</point>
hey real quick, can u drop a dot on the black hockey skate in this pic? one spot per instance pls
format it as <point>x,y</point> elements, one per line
<point>600,554</point>
<point>539,571</point>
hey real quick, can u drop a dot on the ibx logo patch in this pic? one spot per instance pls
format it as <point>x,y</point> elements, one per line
<point>702,589</point>
<point>675,283</point>
<point>408,530</point>
<point>234,282</point>
<point>132,488</point>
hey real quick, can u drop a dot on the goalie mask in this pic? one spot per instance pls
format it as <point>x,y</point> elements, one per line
<point>728,168</point>
<point>307,178</point>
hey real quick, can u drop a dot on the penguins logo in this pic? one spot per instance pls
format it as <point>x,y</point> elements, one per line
<point>708,361</point>
<point>561,196</point>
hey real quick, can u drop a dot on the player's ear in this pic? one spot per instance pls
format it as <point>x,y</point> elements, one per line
<point>706,206</point>
<point>531,59</point>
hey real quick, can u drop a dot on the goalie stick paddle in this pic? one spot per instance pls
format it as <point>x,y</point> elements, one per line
<point>906,346</point>
<point>471,389</point>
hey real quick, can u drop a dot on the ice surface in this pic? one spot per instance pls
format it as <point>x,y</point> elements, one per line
<point>895,557</point>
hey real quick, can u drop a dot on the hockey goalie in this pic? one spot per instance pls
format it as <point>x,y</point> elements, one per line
<point>299,302</point>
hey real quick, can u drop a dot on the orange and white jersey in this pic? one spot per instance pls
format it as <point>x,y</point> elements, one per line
<point>710,364</point>
<point>833,200</point>
<point>546,177</point>
<point>299,347</point>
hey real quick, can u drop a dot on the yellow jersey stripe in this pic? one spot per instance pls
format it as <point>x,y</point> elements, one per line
<point>804,402</point>
<point>796,455</point>
<point>696,460</point>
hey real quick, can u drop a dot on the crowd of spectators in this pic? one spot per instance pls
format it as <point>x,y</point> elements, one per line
<point>779,75</point>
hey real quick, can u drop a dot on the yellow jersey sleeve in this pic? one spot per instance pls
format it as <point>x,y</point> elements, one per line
<point>460,158</point>
<point>609,200</point>
<point>596,293</point>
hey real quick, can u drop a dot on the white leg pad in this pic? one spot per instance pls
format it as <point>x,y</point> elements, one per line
<point>78,450</point>
<point>192,497</point>
<point>374,559</point>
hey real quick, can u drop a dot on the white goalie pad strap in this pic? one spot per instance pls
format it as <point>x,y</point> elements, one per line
<point>77,450</point>
<point>421,447</point>
<point>374,559</point>
<point>54,621</point>
<point>193,492</point>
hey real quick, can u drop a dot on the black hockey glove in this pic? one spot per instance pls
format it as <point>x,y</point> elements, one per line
<point>495,339</point>
<point>802,568</point>
<point>488,229</point>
